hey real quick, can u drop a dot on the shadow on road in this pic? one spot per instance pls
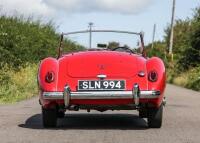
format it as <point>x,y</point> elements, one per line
<point>91,121</point>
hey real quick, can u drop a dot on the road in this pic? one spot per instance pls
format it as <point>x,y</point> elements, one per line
<point>21,123</point>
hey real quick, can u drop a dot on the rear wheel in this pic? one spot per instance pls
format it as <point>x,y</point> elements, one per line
<point>143,113</point>
<point>60,114</point>
<point>49,117</point>
<point>155,117</point>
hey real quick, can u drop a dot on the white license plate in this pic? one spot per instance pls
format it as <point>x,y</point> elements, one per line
<point>101,85</point>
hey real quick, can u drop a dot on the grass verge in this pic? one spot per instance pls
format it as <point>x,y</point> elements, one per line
<point>189,79</point>
<point>17,85</point>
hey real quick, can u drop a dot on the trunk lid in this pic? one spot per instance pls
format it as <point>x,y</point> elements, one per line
<point>92,63</point>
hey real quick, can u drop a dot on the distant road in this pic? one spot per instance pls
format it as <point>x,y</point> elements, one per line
<point>21,123</point>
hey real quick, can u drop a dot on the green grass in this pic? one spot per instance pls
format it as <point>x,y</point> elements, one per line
<point>18,85</point>
<point>189,79</point>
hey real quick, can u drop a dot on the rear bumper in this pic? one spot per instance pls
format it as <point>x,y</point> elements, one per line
<point>135,94</point>
<point>101,95</point>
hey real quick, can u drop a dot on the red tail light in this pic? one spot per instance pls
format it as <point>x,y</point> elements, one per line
<point>153,76</point>
<point>50,76</point>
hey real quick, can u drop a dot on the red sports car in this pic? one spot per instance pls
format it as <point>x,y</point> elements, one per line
<point>102,79</point>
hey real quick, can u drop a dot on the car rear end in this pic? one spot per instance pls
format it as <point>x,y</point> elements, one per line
<point>103,81</point>
<point>100,78</point>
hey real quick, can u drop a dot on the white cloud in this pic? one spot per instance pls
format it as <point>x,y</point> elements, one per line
<point>51,8</point>
<point>25,7</point>
<point>113,6</point>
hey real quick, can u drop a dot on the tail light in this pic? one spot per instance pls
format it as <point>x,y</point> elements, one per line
<point>50,76</point>
<point>153,76</point>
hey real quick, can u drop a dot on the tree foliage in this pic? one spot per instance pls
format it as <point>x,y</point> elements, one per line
<point>24,40</point>
<point>158,50</point>
<point>186,43</point>
<point>113,45</point>
<point>191,55</point>
<point>181,37</point>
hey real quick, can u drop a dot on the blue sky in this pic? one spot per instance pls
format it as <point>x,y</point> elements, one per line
<point>159,12</point>
<point>132,15</point>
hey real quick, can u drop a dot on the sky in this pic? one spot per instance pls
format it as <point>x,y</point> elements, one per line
<point>131,15</point>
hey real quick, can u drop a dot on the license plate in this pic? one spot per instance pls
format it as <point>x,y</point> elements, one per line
<point>101,85</point>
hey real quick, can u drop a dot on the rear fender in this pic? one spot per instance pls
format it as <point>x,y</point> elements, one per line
<point>48,65</point>
<point>156,64</point>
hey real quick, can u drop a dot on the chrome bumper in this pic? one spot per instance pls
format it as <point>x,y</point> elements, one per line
<point>135,94</point>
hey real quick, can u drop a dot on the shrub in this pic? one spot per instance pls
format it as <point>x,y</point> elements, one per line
<point>189,79</point>
<point>193,81</point>
<point>18,85</point>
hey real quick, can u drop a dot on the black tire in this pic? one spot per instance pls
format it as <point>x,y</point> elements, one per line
<point>155,117</point>
<point>60,114</point>
<point>143,113</point>
<point>49,117</point>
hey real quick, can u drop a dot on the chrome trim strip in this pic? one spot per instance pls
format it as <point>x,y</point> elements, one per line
<point>101,76</point>
<point>67,95</point>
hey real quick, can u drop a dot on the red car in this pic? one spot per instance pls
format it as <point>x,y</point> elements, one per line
<point>102,79</point>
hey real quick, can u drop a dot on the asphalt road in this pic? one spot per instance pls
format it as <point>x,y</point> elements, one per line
<point>21,123</point>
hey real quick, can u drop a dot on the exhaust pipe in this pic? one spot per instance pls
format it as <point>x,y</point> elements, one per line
<point>74,108</point>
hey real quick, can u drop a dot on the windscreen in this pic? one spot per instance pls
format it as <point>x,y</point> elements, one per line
<point>103,40</point>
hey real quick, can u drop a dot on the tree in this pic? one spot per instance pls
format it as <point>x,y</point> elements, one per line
<point>191,55</point>
<point>181,42</point>
<point>26,41</point>
<point>159,50</point>
<point>113,44</point>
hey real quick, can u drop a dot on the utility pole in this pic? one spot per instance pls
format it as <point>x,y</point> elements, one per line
<point>153,36</point>
<point>90,34</point>
<point>172,31</point>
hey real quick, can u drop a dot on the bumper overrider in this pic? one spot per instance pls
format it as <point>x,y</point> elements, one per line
<point>135,94</point>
